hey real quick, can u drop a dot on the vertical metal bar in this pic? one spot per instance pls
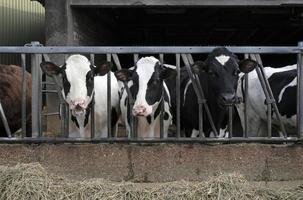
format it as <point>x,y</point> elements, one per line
<point>134,119</point>
<point>117,61</point>
<point>299,91</point>
<point>261,78</point>
<point>4,121</point>
<point>246,94</point>
<point>136,58</point>
<point>24,88</point>
<point>200,101</point>
<point>36,93</point>
<point>66,120</point>
<point>178,95</point>
<point>161,58</point>
<point>92,114</point>
<point>109,118</point>
<point>230,121</point>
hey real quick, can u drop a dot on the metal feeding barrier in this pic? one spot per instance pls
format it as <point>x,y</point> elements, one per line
<point>37,53</point>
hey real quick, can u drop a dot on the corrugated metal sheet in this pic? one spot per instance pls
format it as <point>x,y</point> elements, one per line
<point>21,21</point>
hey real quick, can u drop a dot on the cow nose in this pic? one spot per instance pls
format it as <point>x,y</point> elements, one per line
<point>78,107</point>
<point>228,98</point>
<point>78,104</point>
<point>139,110</point>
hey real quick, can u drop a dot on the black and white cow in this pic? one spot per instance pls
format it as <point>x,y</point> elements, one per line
<point>83,81</point>
<point>219,77</point>
<point>147,85</point>
<point>283,82</point>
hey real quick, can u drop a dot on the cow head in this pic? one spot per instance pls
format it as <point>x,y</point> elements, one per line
<point>222,70</point>
<point>78,80</point>
<point>147,84</point>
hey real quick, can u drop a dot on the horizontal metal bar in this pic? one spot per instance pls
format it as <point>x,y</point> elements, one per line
<point>152,140</point>
<point>51,114</point>
<point>179,3</point>
<point>148,49</point>
<point>49,91</point>
<point>47,83</point>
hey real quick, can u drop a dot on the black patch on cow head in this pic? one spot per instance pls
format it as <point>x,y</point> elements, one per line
<point>155,88</point>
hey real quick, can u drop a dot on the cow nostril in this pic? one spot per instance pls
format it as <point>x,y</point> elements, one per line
<point>78,107</point>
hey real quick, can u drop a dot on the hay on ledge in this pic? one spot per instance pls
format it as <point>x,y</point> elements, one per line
<point>32,181</point>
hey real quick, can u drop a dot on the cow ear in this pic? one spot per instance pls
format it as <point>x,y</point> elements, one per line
<point>199,66</point>
<point>168,72</point>
<point>247,65</point>
<point>103,68</point>
<point>124,74</point>
<point>50,68</point>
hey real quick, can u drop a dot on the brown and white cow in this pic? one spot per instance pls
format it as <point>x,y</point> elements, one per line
<point>11,97</point>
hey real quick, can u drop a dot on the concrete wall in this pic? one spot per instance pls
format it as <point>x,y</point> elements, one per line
<point>161,162</point>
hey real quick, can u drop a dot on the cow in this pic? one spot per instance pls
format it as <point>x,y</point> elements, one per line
<point>82,82</point>
<point>283,83</point>
<point>218,76</point>
<point>147,85</point>
<point>11,98</point>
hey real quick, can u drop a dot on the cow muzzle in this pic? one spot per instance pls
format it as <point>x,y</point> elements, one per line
<point>228,99</point>
<point>140,110</point>
<point>78,107</point>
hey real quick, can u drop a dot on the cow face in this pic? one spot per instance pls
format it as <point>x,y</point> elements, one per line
<point>147,84</point>
<point>222,69</point>
<point>78,80</point>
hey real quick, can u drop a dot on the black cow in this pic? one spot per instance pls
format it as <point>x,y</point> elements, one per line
<point>11,98</point>
<point>218,76</point>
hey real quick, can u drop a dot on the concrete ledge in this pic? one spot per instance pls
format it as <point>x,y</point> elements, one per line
<point>160,162</point>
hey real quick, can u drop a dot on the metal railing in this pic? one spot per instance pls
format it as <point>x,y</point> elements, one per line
<point>39,52</point>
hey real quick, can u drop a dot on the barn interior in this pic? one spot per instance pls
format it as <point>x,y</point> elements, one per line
<point>192,26</point>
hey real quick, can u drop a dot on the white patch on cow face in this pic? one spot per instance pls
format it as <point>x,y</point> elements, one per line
<point>222,59</point>
<point>77,67</point>
<point>145,70</point>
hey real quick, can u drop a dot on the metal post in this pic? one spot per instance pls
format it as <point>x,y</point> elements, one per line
<point>36,59</point>
<point>161,57</point>
<point>299,91</point>
<point>178,95</point>
<point>24,88</point>
<point>4,121</point>
<point>134,119</point>
<point>92,114</point>
<point>230,121</point>
<point>109,106</point>
<point>246,95</point>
